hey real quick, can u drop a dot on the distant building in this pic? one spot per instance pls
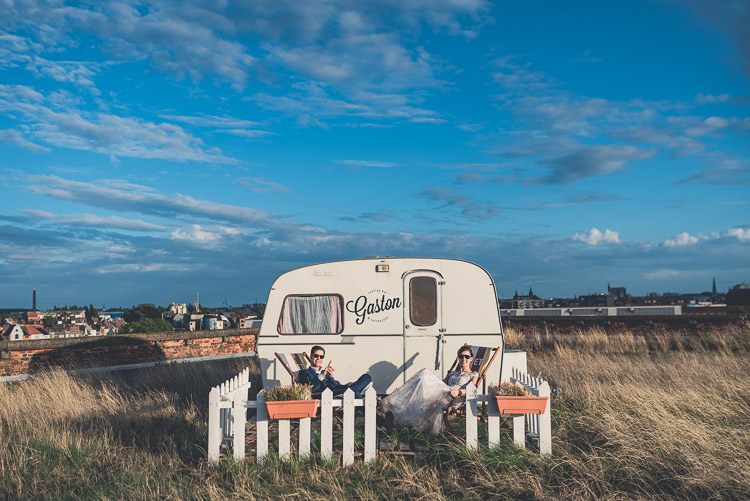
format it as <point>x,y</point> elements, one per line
<point>527,301</point>
<point>596,300</point>
<point>21,332</point>
<point>618,293</point>
<point>12,332</point>
<point>212,323</point>
<point>177,308</point>
<point>739,295</point>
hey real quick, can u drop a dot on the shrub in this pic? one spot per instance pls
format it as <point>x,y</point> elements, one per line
<point>289,392</point>
<point>508,389</point>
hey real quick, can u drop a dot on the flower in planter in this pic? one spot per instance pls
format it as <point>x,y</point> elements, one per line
<point>508,389</point>
<point>289,392</point>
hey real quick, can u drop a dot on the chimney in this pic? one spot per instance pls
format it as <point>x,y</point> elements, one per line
<point>34,305</point>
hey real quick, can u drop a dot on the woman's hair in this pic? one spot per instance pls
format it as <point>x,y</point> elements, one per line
<point>464,348</point>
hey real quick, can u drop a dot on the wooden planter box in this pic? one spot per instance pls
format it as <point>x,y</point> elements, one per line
<point>521,405</point>
<point>292,409</point>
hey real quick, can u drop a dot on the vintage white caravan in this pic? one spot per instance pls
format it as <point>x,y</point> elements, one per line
<point>389,317</point>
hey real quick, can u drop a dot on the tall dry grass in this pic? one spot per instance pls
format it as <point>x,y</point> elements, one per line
<point>732,337</point>
<point>636,420</point>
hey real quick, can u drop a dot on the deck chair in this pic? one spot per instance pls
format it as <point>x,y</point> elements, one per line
<point>294,363</point>
<point>483,358</point>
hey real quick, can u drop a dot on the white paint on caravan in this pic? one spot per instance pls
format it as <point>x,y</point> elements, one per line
<point>389,317</point>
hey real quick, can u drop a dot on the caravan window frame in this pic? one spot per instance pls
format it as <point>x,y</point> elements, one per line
<point>411,301</point>
<point>332,294</point>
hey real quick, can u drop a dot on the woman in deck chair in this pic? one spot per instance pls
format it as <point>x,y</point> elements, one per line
<point>420,402</point>
<point>459,379</point>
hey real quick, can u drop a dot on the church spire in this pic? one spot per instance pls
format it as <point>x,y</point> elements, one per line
<point>713,290</point>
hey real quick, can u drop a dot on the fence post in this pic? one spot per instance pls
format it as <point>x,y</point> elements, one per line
<point>224,412</point>
<point>493,422</point>
<point>261,417</point>
<point>370,410</point>
<point>239,420</point>
<point>347,452</point>
<point>214,425</point>
<point>326,424</point>
<point>545,421</point>
<point>304,437</point>
<point>519,430</point>
<point>471,416</point>
<point>284,440</point>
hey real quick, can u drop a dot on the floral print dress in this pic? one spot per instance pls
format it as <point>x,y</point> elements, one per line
<point>458,379</point>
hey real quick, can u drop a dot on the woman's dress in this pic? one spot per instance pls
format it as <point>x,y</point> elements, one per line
<point>420,402</point>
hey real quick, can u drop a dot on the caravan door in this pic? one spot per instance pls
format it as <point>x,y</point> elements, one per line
<point>423,322</point>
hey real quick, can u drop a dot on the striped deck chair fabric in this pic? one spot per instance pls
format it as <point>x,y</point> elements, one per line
<point>482,358</point>
<point>293,363</point>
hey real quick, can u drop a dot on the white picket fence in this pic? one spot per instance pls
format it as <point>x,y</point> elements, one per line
<point>228,404</point>
<point>227,418</point>
<point>223,419</point>
<point>538,425</point>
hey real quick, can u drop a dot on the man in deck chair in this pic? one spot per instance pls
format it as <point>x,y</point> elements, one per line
<point>320,377</point>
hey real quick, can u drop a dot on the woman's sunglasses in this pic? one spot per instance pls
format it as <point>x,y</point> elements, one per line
<point>465,357</point>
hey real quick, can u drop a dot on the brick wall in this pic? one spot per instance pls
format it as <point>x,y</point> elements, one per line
<point>38,355</point>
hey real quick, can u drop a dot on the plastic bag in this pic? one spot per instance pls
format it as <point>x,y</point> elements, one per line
<point>419,403</point>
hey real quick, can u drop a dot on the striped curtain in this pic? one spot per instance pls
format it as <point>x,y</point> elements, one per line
<point>312,315</point>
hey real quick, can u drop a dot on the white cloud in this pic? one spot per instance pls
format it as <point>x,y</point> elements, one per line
<point>141,268</point>
<point>55,120</point>
<point>681,239</point>
<point>211,238</point>
<point>14,137</point>
<point>596,238</point>
<point>41,214</point>
<point>742,234</point>
<point>711,99</point>
<point>146,201</point>
<point>110,221</point>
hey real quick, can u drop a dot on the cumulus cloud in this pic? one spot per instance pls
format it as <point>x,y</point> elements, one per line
<point>681,239</point>
<point>15,138</point>
<point>208,237</point>
<point>370,46</point>
<point>312,103</point>
<point>110,221</point>
<point>742,234</point>
<point>596,238</point>
<point>55,120</point>
<point>146,201</point>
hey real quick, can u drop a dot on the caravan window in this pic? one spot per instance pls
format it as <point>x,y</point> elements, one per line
<point>423,301</point>
<point>318,314</point>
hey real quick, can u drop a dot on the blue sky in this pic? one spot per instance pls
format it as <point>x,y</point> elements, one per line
<point>152,150</point>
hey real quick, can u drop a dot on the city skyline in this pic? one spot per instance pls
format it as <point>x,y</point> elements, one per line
<point>152,150</point>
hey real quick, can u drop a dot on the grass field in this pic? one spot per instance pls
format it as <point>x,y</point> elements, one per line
<point>664,417</point>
